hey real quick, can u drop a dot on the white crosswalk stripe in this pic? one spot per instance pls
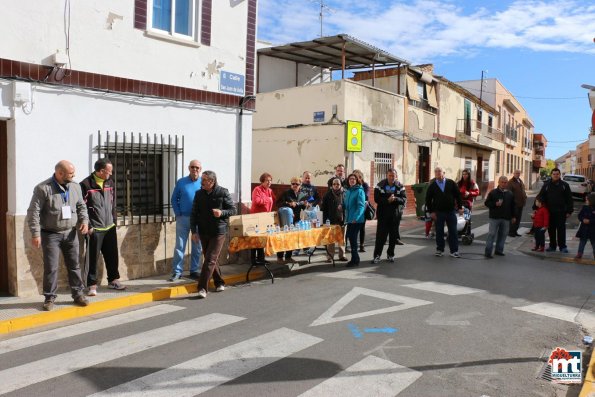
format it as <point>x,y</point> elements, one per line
<point>372,376</point>
<point>211,370</point>
<point>562,312</point>
<point>39,338</point>
<point>18,377</point>
<point>441,288</point>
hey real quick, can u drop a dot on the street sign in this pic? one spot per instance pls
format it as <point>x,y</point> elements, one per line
<point>353,136</point>
<point>231,83</point>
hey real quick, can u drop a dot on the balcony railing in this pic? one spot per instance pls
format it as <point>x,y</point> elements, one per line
<point>478,131</point>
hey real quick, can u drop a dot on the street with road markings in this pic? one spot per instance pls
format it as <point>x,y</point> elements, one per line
<point>422,326</point>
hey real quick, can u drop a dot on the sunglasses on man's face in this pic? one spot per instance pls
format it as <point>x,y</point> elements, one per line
<point>295,184</point>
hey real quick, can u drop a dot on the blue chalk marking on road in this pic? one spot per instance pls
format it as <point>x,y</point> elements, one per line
<point>355,331</point>
<point>386,330</point>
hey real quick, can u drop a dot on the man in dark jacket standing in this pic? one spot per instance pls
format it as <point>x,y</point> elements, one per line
<point>558,198</point>
<point>390,197</point>
<point>517,188</point>
<point>100,196</point>
<point>502,207</point>
<point>443,198</point>
<point>211,209</point>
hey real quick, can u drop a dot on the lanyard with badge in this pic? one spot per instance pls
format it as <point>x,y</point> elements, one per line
<point>66,211</point>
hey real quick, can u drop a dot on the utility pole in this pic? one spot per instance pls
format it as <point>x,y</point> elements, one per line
<point>481,87</point>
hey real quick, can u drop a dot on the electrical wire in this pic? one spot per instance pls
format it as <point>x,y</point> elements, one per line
<point>519,96</point>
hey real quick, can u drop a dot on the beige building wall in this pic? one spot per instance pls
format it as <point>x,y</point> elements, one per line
<point>286,140</point>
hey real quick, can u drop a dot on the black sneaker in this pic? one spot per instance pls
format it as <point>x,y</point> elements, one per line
<point>194,275</point>
<point>499,253</point>
<point>174,277</point>
<point>81,301</point>
<point>48,305</point>
<point>488,255</point>
<point>399,242</point>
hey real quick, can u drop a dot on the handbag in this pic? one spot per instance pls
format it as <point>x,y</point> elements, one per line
<point>369,211</point>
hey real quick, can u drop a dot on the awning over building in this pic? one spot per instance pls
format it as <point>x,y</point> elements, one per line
<point>340,52</point>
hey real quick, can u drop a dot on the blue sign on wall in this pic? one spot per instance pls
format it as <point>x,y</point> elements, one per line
<point>318,117</point>
<point>231,83</point>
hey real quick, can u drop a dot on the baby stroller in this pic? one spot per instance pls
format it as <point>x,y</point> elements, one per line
<point>464,226</point>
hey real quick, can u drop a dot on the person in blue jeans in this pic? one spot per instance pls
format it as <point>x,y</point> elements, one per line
<point>181,201</point>
<point>354,203</point>
<point>443,198</point>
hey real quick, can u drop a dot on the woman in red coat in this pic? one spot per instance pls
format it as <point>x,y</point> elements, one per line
<point>468,188</point>
<point>262,201</point>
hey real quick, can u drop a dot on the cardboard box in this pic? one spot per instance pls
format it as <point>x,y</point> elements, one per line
<point>244,225</point>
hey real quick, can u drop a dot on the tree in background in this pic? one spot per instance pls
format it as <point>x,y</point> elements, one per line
<point>549,166</point>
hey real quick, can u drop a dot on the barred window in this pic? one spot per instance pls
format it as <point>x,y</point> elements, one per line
<point>382,163</point>
<point>145,170</point>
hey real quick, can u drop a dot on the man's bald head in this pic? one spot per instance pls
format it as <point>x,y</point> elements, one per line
<point>64,172</point>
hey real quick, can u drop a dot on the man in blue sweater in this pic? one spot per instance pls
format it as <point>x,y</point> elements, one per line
<point>181,201</point>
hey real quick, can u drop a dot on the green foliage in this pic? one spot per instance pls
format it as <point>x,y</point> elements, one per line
<point>549,166</point>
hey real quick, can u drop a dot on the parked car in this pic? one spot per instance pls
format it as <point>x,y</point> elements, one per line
<point>579,185</point>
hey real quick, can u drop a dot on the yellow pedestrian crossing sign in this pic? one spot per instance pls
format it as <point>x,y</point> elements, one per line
<point>353,136</point>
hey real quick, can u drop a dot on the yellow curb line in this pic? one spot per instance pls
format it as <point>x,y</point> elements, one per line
<point>586,262</point>
<point>588,389</point>
<point>69,313</point>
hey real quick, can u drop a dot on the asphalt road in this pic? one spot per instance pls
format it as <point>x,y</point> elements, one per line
<point>423,326</point>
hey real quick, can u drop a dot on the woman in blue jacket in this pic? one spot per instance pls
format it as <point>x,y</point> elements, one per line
<point>354,203</point>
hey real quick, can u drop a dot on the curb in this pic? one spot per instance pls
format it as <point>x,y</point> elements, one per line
<point>586,262</point>
<point>141,298</point>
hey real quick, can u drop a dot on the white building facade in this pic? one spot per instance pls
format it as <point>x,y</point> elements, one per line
<point>144,83</point>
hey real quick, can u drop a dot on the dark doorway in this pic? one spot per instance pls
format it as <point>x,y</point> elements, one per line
<point>3,209</point>
<point>479,174</point>
<point>423,159</point>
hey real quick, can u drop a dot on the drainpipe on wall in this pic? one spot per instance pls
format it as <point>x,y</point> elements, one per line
<point>238,186</point>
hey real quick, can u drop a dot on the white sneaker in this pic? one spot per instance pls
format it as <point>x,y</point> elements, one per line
<point>455,255</point>
<point>220,288</point>
<point>376,260</point>
<point>202,293</point>
<point>391,259</point>
<point>92,291</point>
<point>439,253</point>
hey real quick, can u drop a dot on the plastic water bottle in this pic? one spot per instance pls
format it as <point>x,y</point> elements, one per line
<point>256,230</point>
<point>328,223</point>
<point>277,229</point>
<point>286,228</point>
<point>317,222</point>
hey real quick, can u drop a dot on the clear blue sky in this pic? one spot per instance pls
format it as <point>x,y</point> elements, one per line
<point>542,51</point>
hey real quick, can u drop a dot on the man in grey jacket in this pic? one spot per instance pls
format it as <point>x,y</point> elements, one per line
<point>56,208</point>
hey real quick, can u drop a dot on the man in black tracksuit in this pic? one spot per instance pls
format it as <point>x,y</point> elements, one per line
<point>390,197</point>
<point>558,199</point>
<point>100,196</point>
<point>443,198</point>
<point>211,209</point>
